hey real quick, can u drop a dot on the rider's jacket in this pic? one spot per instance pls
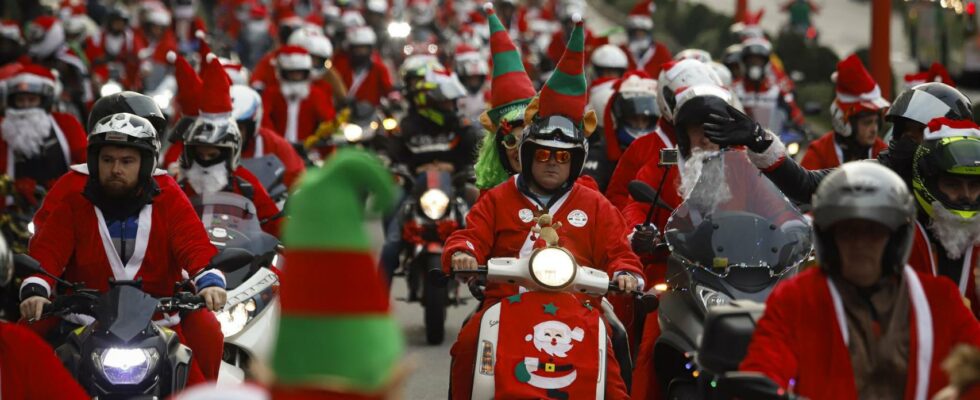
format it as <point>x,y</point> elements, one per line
<point>369,85</point>
<point>766,99</point>
<point>825,152</point>
<point>29,369</point>
<point>296,120</point>
<point>800,338</point>
<point>651,61</point>
<point>269,142</point>
<point>930,258</point>
<point>422,141</point>
<point>65,146</point>
<point>643,151</point>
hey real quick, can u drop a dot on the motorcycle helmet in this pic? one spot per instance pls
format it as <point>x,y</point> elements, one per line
<point>556,132</point>
<point>856,94</point>
<point>949,148</point>
<point>124,130</point>
<point>636,100</point>
<point>219,132</point>
<point>246,111</point>
<point>755,58</point>
<point>360,44</point>
<point>693,105</point>
<point>724,74</point>
<point>237,73</point>
<point>45,36</point>
<point>11,41</point>
<point>695,54</point>
<point>678,75</point>
<point>472,68</point>
<point>293,64</point>
<point>183,9</point>
<point>609,60</point>
<point>319,47</point>
<point>287,26</point>
<point>867,191</point>
<point>925,102</point>
<point>732,56</point>
<point>32,79</point>
<point>117,20</point>
<point>6,263</point>
<point>437,95</point>
<point>130,103</point>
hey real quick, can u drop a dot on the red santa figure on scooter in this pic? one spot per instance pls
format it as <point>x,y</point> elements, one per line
<point>553,338</point>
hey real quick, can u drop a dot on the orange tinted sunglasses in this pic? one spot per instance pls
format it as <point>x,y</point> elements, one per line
<point>561,156</point>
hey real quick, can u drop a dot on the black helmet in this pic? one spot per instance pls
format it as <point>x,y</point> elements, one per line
<point>555,132</point>
<point>124,130</point>
<point>130,103</point>
<point>756,47</point>
<point>868,191</point>
<point>925,102</point>
<point>222,133</point>
<point>693,105</point>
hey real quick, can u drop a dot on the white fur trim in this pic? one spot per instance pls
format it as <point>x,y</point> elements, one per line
<point>200,34</point>
<point>171,57</point>
<point>39,281</point>
<point>210,57</point>
<point>295,61</point>
<point>772,155</point>
<point>132,267</point>
<point>839,311</point>
<point>923,333</point>
<point>576,18</point>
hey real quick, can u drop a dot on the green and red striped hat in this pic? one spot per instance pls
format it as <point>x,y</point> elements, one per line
<point>336,332</point>
<point>510,88</point>
<point>565,92</point>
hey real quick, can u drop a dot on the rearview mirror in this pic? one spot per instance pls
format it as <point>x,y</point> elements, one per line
<point>642,192</point>
<point>231,259</point>
<point>750,385</point>
<point>27,265</point>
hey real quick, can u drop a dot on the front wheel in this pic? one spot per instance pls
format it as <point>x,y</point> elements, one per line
<point>435,299</point>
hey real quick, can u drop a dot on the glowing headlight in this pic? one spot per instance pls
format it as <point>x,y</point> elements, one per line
<point>389,124</point>
<point>126,366</point>
<point>110,88</point>
<point>30,228</point>
<point>553,268</point>
<point>434,203</point>
<point>353,133</point>
<point>712,298</point>
<point>163,99</point>
<point>793,148</point>
<point>399,29</point>
<point>234,320</point>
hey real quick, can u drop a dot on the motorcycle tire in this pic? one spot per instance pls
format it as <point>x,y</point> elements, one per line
<point>435,300</point>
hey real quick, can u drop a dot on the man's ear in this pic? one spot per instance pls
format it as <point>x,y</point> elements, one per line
<point>589,122</point>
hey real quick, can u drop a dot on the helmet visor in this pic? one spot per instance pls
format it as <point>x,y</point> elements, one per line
<point>560,129</point>
<point>639,105</point>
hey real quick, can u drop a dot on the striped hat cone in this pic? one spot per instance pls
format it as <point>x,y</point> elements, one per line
<point>510,87</point>
<point>336,332</point>
<point>565,92</point>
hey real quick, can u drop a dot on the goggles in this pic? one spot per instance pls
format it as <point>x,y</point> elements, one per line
<point>560,156</point>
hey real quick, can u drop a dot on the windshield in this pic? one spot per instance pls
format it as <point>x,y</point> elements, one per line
<point>226,215</point>
<point>735,217</point>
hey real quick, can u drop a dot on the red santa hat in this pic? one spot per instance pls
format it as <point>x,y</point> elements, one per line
<point>855,86</point>
<point>188,85</point>
<point>216,91</point>
<point>641,15</point>
<point>30,75</point>
<point>753,18</point>
<point>943,127</point>
<point>203,50</point>
<point>936,73</point>
<point>236,72</point>
<point>293,57</point>
<point>10,29</point>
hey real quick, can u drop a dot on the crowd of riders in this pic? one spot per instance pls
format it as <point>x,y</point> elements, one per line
<point>115,115</point>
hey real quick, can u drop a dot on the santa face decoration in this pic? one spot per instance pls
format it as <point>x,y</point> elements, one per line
<point>555,338</point>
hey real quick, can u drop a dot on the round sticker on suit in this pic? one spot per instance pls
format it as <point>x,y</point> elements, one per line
<point>526,215</point>
<point>578,218</point>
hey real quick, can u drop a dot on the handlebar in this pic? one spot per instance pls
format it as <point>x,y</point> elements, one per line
<point>84,302</point>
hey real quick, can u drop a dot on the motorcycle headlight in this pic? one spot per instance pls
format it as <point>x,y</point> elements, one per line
<point>122,366</point>
<point>553,268</point>
<point>389,124</point>
<point>234,320</point>
<point>353,133</point>
<point>711,298</point>
<point>793,148</point>
<point>434,203</point>
<point>399,29</point>
<point>163,99</point>
<point>30,228</point>
<point>110,88</point>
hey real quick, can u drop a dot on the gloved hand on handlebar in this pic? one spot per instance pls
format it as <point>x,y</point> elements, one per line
<point>645,239</point>
<point>736,129</point>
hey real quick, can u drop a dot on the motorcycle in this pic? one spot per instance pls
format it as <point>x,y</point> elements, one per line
<point>17,228</point>
<point>362,124</point>
<point>122,353</point>
<point>729,240</point>
<point>573,339</point>
<point>251,313</point>
<point>435,209</point>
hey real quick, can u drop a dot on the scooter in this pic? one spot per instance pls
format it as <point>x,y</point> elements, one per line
<point>548,342</point>
<point>251,312</point>
<point>723,248</point>
<point>434,211</point>
<point>121,353</point>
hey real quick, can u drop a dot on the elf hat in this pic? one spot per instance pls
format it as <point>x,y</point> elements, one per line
<point>336,334</point>
<point>510,87</point>
<point>188,85</point>
<point>216,89</point>
<point>565,92</point>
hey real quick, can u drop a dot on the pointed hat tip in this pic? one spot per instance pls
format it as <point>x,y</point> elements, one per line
<point>199,34</point>
<point>577,18</point>
<point>488,7</point>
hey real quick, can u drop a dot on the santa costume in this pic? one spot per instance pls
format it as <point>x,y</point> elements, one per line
<point>296,109</point>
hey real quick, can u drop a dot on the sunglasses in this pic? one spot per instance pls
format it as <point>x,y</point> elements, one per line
<point>561,156</point>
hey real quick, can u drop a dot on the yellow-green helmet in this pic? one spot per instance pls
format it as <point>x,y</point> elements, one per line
<point>949,147</point>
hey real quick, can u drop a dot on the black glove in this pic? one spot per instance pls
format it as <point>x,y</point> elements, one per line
<point>645,239</point>
<point>736,129</point>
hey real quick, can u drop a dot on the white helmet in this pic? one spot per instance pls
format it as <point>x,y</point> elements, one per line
<point>235,70</point>
<point>609,56</point>
<point>678,75</point>
<point>377,6</point>
<point>352,18</point>
<point>695,54</point>
<point>471,63</point>
<point>313,40</point>
<point>361,36</point>
<point>45,36</point>
<point>246,109</point>
<point>723,73</point>
<point>637,84</point>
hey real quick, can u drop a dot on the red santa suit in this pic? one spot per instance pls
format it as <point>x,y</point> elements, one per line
<point>499,226</point>
<point>642,152</point>
<point>651,60</point>
<point>369,86</point>
<point>29,368</point>
<point>802,336</point>
<point>824,152</point>
<point>264,74</point>
<point>126,46</point>
<point>266,209</point>
<point>73,241</point>
<point>269,142</point>
<point>72,142</point>
<point>296,119</point>
<point>923,259</point>
<point>762,102</point>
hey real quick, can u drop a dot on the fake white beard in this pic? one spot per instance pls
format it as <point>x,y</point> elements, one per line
<point>703,186</point>
<point>639,46</point>
<point>184,12</point>
<point>295,90</point>
<point>755,72</point>
<point>257,27</point>
<point>207,180</point>
<point>25,130</point>
<point>956,234</point>
<point>114,43</point>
